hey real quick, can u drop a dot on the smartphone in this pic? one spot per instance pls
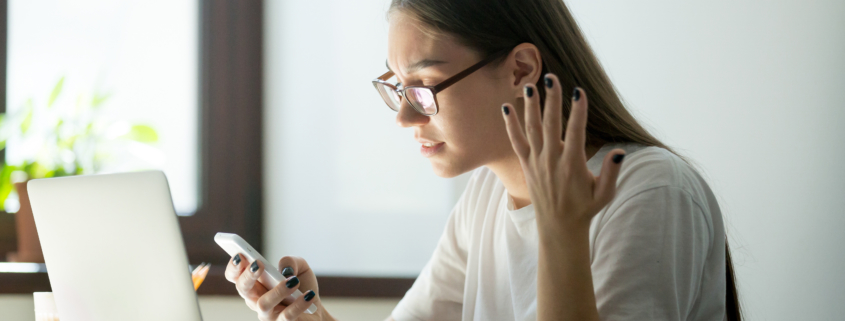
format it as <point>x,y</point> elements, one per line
<point>234,244</point>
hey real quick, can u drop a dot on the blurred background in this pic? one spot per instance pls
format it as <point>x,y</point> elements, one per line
<point>246,107</point>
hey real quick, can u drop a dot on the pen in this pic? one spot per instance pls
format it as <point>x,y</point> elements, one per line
<point>199,273</point>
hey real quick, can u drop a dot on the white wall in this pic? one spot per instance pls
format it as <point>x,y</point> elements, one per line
<point>346,187</point>
<point>753,91</point>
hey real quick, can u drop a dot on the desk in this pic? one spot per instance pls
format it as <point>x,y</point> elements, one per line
<point>25,278</point>
<point>19,307</point>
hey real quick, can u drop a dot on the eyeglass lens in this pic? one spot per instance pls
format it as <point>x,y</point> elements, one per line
<point>390,96</point>
<point>422,99</point>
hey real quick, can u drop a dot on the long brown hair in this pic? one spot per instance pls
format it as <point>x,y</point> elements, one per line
<point>490,26</point>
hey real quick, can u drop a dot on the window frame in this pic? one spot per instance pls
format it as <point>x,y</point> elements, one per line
<point>231,156</point>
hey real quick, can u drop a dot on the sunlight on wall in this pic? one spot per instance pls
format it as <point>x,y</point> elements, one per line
<point>346,187</point>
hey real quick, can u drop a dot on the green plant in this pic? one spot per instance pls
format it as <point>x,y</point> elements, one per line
<point>62,137</point>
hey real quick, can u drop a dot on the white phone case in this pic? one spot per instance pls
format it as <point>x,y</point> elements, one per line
<point>234,244</point>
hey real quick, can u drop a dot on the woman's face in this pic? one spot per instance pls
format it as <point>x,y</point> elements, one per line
<point>468,131</point>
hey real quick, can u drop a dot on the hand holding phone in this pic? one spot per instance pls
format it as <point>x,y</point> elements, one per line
<point>234,244</point>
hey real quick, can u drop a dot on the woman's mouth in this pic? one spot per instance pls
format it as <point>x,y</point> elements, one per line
<point>429,149</point>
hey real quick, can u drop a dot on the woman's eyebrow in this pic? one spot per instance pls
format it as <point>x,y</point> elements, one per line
<point>425,63</point>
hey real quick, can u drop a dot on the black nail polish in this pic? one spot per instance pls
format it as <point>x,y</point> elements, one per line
<point>506,110</point>
<point>529,91</point>
<point>236,260</point>
<point>309,295</point>
<point>254,266</point>
<point>576,94</point>
<point>287,272</point>
<point>292,282</point>
<point>618,158</point>
<point>549,82</point>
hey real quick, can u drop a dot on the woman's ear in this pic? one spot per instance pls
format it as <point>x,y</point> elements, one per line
<point>525,66</point>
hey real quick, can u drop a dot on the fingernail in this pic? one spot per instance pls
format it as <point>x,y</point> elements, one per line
<point>576,94</point>
<point>254,266</point>
<point>529,91</point>
<point>618,158</point>
<point>236,260</point>
<point>506,110</point>
<point>292,282</point>
<point>309,295</point>
<point>287,272</point>
<point>549,82</point>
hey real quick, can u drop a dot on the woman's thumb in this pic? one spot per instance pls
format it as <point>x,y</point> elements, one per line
<point>606,187</point>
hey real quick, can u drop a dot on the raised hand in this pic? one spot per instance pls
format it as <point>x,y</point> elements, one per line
<point>564,192</point>
<point>565,195</point>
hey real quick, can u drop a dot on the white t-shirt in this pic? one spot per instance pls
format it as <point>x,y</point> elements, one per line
<point>657,251</point>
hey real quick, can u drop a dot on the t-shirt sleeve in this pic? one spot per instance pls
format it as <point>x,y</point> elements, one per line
<point>438,292</point>
<point>649,255</point>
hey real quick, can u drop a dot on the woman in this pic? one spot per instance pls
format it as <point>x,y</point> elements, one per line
<point>535,235</point>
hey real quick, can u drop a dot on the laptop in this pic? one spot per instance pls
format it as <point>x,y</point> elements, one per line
<point>113,247</point>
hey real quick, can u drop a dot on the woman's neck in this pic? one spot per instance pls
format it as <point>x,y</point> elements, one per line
<point>509,171</point>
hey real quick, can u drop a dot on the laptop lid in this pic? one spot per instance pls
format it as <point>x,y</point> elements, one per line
<point>113,247</point>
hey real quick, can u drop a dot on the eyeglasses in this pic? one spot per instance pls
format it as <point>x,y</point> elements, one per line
<point>423,98</point>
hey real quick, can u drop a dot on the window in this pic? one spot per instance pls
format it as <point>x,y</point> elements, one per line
<point>228,139</point>
<point>229,160</point>
<point>141,55</point>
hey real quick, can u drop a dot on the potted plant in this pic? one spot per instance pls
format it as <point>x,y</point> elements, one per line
<point>60,137</point>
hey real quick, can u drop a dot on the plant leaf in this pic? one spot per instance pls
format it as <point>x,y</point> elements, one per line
<point>57,89</point>
<point>143,134</point>
<point>27,120</point>
<point>99,99</point>
<point>36,170</point>
<point>6,183</point>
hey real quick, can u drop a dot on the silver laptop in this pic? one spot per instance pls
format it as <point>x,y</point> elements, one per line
<point>113,247</point>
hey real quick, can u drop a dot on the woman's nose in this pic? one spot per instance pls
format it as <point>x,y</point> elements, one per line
<point>407,116</point>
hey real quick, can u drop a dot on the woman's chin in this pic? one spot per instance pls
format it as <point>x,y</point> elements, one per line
<point>448,169</point>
